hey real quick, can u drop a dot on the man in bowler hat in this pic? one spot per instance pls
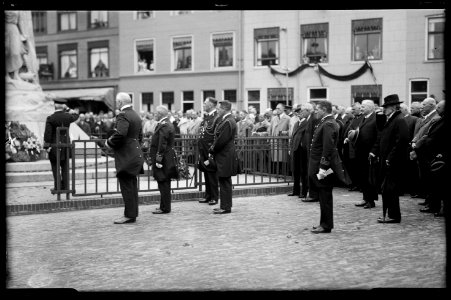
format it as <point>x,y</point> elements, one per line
<point>390,149</point>
<point>126,143</point>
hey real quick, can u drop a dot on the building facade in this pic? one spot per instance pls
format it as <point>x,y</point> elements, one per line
<point>403,48</point>
<point>78,56</point>
<point>178,58</point>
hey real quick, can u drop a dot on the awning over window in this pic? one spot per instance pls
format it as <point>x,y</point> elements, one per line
<point>105,95</point>
<point>224,39</point>
<point>184,42</point>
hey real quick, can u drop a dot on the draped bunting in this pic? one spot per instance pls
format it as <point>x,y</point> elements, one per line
<point>322,71</point>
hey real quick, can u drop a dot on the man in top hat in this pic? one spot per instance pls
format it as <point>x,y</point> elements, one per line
<point>390,149</point>
<point>62,117</point>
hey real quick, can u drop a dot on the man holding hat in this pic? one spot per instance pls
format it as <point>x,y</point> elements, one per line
<point>390,149</point>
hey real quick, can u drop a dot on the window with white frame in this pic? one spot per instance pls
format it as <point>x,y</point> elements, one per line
<point>230,95</point>
<point>187,100</point>
<point>41,55</point>
<point>182,49</point>
<point>67,21</point>
<point>368,91</point>
<point>98,59</point>
<point>167,99</point>
<point>419,89</point>
<point>68,61</point>
<point>317,94</point>
<point>147,101</point>
<point>144,55</point>
<point>253,99</point>
<point>98,19</point>
<point>39,20</point>
<point>223,49</point>
<point>145,14</point>
<point>208,93</point>
<point>314,38</point>
<point>367,39</point>
<point>266,46</point>
<point>279,95</point>
<point>436,38</point>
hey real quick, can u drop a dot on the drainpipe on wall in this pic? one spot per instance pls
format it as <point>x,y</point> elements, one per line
<point>240,65</point>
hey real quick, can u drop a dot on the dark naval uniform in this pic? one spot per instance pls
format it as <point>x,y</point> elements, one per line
<point>207,130</point>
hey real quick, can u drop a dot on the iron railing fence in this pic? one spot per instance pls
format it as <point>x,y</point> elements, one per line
<point>263,160</point>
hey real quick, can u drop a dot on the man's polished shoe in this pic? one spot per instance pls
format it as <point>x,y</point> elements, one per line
<point>159,211</point>
<point>302,196</point>
<point>204,201</point>
<point>125,220</point>
<point>369,205</point>
<point>221,211</point>
<point>293,194</point>
<point>388,220</point>
<point>309,200</point>
<point>213,202</point>
<point>363,203</point>
<point>320,229</point>
<point>427,210</point>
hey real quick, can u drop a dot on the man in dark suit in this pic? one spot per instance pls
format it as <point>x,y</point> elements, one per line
<point>224,155</point>
<point>429,113</point>
<point>431,146</point>
<point>206,163</point>
<point>324,157</point>
<point>164,160</point>
<point>390,148</point>
<point>308,193</point>
<point>295,151</point>
<point>61,118</point>
<point>349,154</point>
<point>411,180</point>
<point>364,142</point>
<point>126,142</point>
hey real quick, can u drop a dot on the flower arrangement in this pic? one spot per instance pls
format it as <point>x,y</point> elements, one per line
<point>21,145</point>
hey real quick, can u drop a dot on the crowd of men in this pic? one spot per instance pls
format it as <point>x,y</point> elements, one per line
<point>389,150</point>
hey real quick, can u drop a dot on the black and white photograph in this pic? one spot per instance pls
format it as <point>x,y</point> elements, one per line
<point>226,149</point>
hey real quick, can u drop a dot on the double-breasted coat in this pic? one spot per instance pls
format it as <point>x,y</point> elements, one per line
<point>223,147</point>
<point>391,145</point>
<point>162,151</point>
<point>324,152</point>
<point>207,131</point>
<point>126,141</point>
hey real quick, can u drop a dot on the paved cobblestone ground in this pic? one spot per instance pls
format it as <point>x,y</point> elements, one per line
<point>265,244</point>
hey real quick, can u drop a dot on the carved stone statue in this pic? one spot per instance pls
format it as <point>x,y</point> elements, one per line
<point>25,102</point>
<point>20,56</point>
